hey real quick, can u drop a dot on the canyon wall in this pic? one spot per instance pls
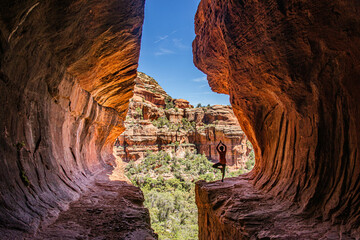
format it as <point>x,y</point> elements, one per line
<point>157,122</point>
<point>66,75</point>
<point>292,71</point>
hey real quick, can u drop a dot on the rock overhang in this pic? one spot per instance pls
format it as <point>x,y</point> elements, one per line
<point>67,73</point>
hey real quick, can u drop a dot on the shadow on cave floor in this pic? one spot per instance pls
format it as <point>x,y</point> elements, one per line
<point>108,210</point>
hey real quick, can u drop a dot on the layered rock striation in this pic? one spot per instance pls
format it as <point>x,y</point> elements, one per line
<point>157,122</point>
<point>66,76</point>
<point>291,69</point>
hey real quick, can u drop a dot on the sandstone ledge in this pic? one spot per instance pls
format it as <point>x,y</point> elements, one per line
<point>234,209</point>
<point>108,210</point>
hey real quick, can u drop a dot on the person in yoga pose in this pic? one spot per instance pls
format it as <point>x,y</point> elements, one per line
<point>221,148</point>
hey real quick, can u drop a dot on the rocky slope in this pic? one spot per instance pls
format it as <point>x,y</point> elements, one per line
<point>66,76</point>
<point>292,71</point>
<point>157,122</point>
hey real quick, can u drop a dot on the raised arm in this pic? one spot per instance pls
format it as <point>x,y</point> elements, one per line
<point>217,147</point>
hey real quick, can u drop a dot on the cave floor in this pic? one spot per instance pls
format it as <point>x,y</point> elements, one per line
<point>234,209</point>
<point>108,210</point>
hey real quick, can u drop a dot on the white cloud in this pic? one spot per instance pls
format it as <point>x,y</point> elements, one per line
<point>179,44</point>
<point>163,51</point>
<point>161,38</point>
<point>200,79</point>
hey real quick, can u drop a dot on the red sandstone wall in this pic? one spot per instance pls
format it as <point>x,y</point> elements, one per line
<point>66,75</point>
<point>292,70</point>
<point>213,124</point>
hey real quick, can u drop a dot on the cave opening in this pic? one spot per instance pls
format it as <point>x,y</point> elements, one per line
<point>174,124</point>
<point>167,147</point>
<point>291,69</point>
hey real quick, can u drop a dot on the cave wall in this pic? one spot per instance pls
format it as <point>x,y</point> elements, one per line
<point>292,71</point>
<point>66,75</point>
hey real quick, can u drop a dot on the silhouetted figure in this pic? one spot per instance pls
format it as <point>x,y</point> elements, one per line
<point>221,148</point>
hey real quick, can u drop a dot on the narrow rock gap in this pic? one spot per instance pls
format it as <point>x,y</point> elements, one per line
<point>167,146</point>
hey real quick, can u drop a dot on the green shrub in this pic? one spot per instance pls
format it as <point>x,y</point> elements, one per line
<point>161,122</point>
<point>139,112</point>
<point>249,164</point>
<point>187,125</point>
<point>168,186</point>
<point>169,103</point>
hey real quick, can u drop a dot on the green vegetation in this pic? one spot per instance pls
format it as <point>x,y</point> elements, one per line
<point>169,103</point>
<point>162,122</point>
<point>24,178</point>
<point>19,145</point>
<point>184,125</point>
<point>168,186</point>
<point>187,125</point>
<point>139,112</point>
<point>249,164</point>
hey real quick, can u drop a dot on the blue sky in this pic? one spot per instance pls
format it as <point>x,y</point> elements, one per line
<point>166,51</point>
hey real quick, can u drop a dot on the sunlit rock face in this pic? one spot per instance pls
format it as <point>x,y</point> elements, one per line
<point>292,71</point>
<point>207,126</point>
<point>66,75</point>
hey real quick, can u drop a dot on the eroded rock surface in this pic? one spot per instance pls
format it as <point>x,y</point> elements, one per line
<point>292,71</point>
<point>182,128</point>
<point>66,75</point>
<point>234,209</point>
<point>107,210</point>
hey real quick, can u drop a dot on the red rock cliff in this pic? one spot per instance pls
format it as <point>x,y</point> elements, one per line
<point>66,75</point>
<point>176,125</point>
<point>292,71</point>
